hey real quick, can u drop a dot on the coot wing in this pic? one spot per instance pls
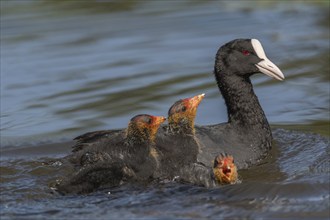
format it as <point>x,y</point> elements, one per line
<point>91,138</point>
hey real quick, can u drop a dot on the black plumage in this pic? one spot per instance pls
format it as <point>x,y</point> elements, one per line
<point>247,135</point>
<point>122,156</point>
<point>177,146</point>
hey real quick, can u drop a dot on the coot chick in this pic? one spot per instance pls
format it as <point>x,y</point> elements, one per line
<point>182,114</point>
<point>222,172</point>
<point>109,162</point>
<point>247,135</point>
<point>178,149</point>
<point>224,169</point>
<point>177,145</point>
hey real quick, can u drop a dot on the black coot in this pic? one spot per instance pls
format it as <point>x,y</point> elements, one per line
<point>247,135</point>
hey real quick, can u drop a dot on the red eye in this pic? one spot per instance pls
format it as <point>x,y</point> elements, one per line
<point>245,52</point>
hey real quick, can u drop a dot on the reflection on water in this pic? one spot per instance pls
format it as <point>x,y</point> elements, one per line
<point>73,66</point>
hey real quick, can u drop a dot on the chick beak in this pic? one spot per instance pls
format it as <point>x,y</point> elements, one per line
<point>226,170</point>
<point>159,120</point>
<point>196,100</point>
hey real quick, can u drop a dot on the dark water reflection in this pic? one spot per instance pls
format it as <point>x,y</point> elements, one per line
<point>67,68</point>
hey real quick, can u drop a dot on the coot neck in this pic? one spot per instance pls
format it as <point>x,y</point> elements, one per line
<point>138,137</point>
<point>181,129</point>
<point>243,107</point>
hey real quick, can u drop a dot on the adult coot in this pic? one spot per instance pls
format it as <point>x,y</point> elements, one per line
<point>247,135</point>
<point>129,156</point>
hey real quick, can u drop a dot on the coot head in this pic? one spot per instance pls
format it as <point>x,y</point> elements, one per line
<point>143,128</point>
<point>181,115</point>
<point>224,169</point>
<point>244,57</point>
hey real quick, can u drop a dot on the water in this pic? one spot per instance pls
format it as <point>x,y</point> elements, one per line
<point>68,68</point>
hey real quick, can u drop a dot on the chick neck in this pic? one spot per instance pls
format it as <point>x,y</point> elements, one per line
<point>139,135</point>
<point>182,124</point>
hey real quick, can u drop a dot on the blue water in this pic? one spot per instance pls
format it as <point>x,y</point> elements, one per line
<point>69,68</point>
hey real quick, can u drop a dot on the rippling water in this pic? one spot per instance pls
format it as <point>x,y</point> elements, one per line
<point>68,68</point>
